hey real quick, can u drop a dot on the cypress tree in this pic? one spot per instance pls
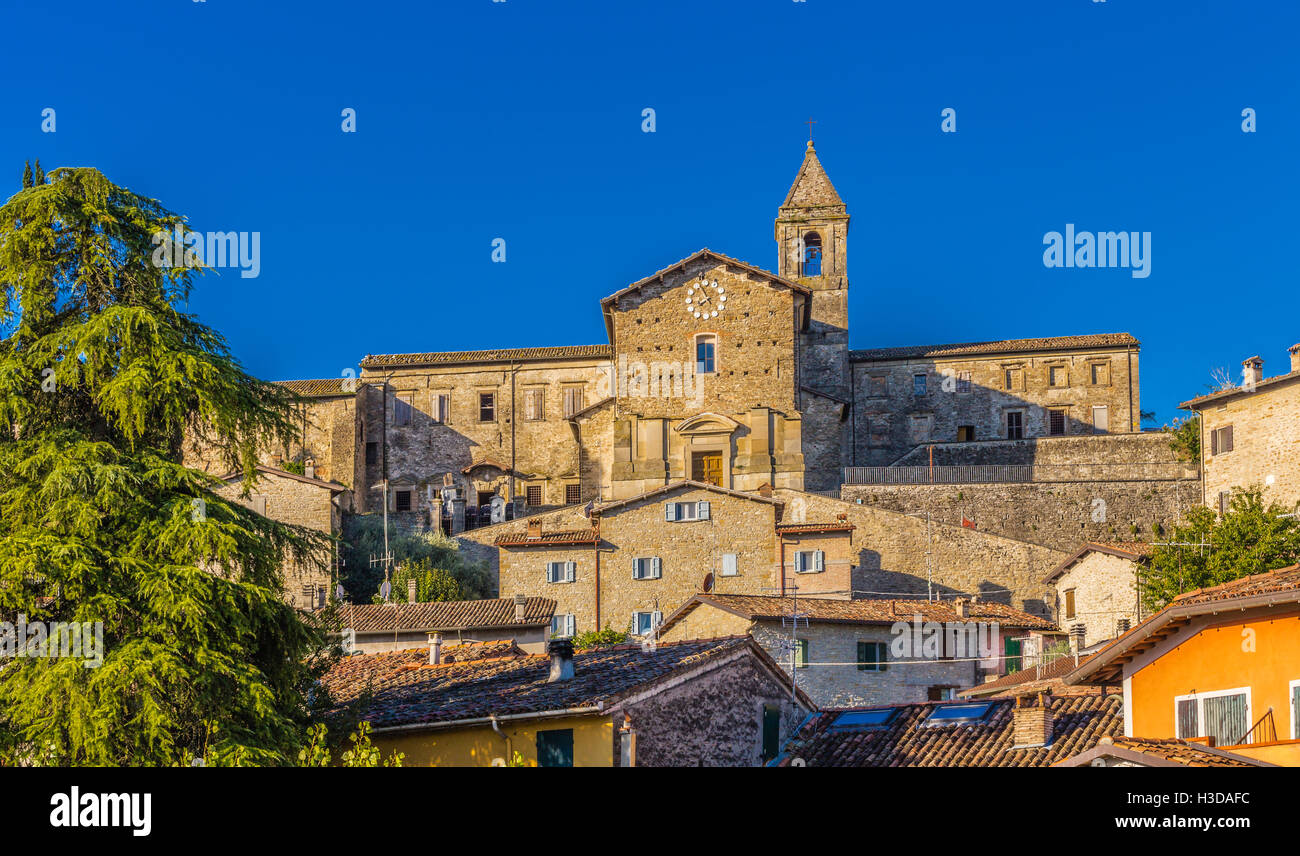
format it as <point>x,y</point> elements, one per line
<point>27,175</point>
<point>38,177</point>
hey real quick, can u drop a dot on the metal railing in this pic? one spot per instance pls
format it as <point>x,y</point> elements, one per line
<point>1019,473</point>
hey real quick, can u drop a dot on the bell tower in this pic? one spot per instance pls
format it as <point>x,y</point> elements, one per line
<point>812,230</point>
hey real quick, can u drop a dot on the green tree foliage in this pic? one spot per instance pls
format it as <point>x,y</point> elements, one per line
<point>1185,438</point>
<point>1250,539</point>
<point>363,539</point>
<point>27,175</point>
<point>599,638</point>
<point>362,753</point>
<point>432,584</point>
<point>38,174</point>
<point>101,375</point>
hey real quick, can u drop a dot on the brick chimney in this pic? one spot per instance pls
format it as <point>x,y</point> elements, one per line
<point>1032,720</point>
<point>1078,632</point>
<point>561,651</point>
<point>1295,357</point>
<point>1253,371</point>
<point>435,649</point>
<point>962,607</point>
<point>520,602</point>
<point>411,591</point>
<point>534,530</point>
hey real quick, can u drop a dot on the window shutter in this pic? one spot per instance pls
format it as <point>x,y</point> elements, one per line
<point>655,568</point>
<point>863,657</point>
<point>798,562</point>
<point>548,573</point>
<point>702,510</point>
<point>819,561</point>
<point>570,569</point>
<point>670,511</point>
<point>1214,442</point>
<point>728,564</point>
<point>636,569</point>
<point>1227,438</point>
<point>571,624</point>
<point>656,617</point>
<point>882,654</point>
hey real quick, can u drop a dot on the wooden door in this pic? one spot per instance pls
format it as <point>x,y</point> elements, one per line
<point>706,467</point>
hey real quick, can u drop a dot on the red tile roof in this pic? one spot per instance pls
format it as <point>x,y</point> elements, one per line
<point>1037,677</point>
<point>1218,395</point>
<point>446,615</point>
<point>1080,721</point>
<point>812,528</point>
<point>1282,580</point>
<point>1161,753</point>
<point>1124,549</point>
<point>1003,346</point>
<point>322,388</point>
<point>406,691</point>
<point>758,607</point>
<point>465,652</point>
<point>548,539</point>
<point>501,355</point>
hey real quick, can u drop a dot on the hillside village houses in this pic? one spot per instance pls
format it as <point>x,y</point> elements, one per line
<point>726,453</point>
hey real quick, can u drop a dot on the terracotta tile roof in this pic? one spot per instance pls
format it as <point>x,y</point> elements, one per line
<point>1004,346</point>
<point>758,607</point>
<point>446,615</point>
<point>548,539</point>
<point>813,528</point>
<point>669,488</point>
<point>1034,678</point>
<point>323,388</point>
<point>406,691</point>
<point>1080,721</point>
<point>465,652</point>
<point>1267,383</point>
<point>331,486</point>
<point>1124,549</point>
<point>1273,582</point>
<point>1167,752</point>
<point>558,352</point>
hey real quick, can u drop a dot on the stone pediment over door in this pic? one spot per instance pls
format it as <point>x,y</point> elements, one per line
<point>706,423</point>
<point>706,447</point>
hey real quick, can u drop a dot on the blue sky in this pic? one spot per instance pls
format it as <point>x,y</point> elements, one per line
<point>522,120</point>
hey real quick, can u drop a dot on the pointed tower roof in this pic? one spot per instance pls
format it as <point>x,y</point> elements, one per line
<point>812,188</point>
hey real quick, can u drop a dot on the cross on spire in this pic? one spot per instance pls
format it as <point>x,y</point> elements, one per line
<point>811,122</point>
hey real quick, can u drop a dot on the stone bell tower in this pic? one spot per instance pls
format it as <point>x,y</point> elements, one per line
<point>812,231</point>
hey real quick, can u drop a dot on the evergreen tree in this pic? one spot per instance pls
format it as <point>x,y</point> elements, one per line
<point>38,177</point>
<point>100,377</point>
<point>1250,538</point>
<point>27,175</point>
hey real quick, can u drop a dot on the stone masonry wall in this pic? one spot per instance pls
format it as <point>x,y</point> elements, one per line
<point>1265,444</point>
<point>1105,591</point>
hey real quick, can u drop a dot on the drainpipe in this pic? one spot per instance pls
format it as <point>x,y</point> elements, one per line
<point>496,726</point>
<point>514,369</point>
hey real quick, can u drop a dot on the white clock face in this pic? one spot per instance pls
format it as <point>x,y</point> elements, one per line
<point>705,299</point>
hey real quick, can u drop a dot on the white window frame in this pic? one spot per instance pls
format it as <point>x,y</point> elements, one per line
<point>568,571</point>
<point>730,565</point>
<point>713,340</point>
<point>656,571</point>
<point>656,618</point>
<point>1200,698</point>
<point>673,511</point>
<point>818,560</point>
<point>570,624</point>
<point>1295,726</point>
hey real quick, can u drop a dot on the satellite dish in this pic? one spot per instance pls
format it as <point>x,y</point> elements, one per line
<point>708,582</point>
<point>385,590</point>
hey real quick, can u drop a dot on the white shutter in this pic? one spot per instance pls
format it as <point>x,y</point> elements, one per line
<point>570,570</point>
<point>655,571</point>
<point>798,563</point>
<point>570,624</point>
<point>728,564</point>
<point>656,618</point>
<point>702,509</point>
<point>819,561</point>
<point>636,569</point>
<point>550,567</point>
<point>670,511</point>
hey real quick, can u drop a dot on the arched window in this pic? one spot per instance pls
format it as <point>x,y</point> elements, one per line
<point>812,254</point>
<point>706,353</point>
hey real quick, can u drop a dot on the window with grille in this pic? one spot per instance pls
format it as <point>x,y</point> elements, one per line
<point>1015,425</point>
<point>572,494</point>
<point>487,407</point>
<point>1055,422</point>
<point>533,494</point>
<point>963,381</point>
<point>402,500</point>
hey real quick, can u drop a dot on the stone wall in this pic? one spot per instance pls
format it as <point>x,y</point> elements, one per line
<point>1265,443</point>
<point>1105,591</point>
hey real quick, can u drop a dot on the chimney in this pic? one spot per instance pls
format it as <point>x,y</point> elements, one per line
<point>1295,357</point>
<point>1078,633</point>
<point>1253,371</point>
<point>534,530</point>
<point>520,602</point>
<point>561,651</point>
<point>765,489</point>
<point>410,591</point>
<point>1122,626</point>
<point>961,607</point>
<point>1031,720</point>
<point>309,468</point>
<point>435,649</point>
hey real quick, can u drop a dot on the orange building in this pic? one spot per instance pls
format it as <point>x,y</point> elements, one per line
<point>1219,665</point>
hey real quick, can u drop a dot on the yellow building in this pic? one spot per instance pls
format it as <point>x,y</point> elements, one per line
<point>1219,665</point>
<point>714,702</point>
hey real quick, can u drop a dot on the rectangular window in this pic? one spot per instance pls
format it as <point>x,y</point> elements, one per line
<point>372,453</point>
<point>1015,378</point>
<point>555,748</point>
<point>1069,603</point>
<point>645,623</point>
<point>1221,440</point>
<point>704,356</point>
<point>534,404</point>
<point>487,407</point>
<point>1099,374</point>
<point>1223,715</point>
<point>1015,425</point>
<point>809,562</point>
<point>561,572</point>
<point>563,625</point>
<point>572,494</point>
<point>573,396</point>
<point>402,409</point>
<point>648,568</point>
<point>533,494</point>
<point>1295,710</point>
<point>963,381</point>
<point>771,732</point>
<point>1100,419</point>
<point>873,656</point>
<point>918,384</point>
<point>402,500</point>
<point>1058,376</point>
<point>801,654</point>
<point>1055,422</point>
<point>920,429</point>
<point>685,511</point>
<point>729,565</point>
<point>440,406</point>
<point>877,385</point>
<point>965,433</point>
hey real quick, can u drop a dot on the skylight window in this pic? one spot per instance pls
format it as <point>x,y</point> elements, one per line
<point>865,718</point>
<point>958,714</point>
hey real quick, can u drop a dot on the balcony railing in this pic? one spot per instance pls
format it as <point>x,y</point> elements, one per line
<point>1019,473</point>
